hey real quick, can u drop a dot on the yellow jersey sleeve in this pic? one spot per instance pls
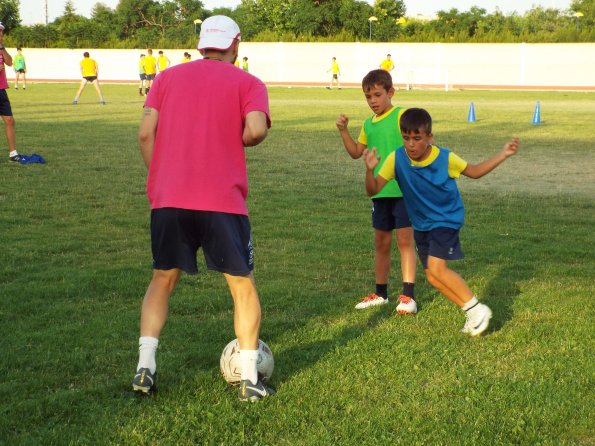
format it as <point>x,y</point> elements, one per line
<point>362,138</point>
<point>456,165</point>
<point>387,170</point>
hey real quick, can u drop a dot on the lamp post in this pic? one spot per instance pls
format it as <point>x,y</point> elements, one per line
<point>577,15</point>
<point>196,23</point>
<point>372,19</point>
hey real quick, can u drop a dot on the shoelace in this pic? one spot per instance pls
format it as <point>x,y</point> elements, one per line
<point>404,299</point>
<point>370,297</point>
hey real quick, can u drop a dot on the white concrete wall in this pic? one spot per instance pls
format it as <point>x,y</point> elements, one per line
<point>564,66</point>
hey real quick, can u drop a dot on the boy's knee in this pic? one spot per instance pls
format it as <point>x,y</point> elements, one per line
<point>382,240</point>
<point>435,270</point>
<point>166,279</point>
<point>431,278</point>
<point>8,121</point>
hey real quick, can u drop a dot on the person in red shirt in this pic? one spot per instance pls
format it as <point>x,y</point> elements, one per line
<point>5,108</point>
<point>192,138</point>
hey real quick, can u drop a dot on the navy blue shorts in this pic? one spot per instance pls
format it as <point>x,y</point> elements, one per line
<point>150,77</point>
<point>389,214</point>
<point>176,235</point>
<point>90,78</point>
<point>142,76</point>
<point>5,108</point>
<point>439,242</point>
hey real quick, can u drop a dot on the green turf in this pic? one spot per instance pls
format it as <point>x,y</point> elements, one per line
<point>75,262</point>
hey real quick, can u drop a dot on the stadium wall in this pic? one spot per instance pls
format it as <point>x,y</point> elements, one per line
<point>417,65</point>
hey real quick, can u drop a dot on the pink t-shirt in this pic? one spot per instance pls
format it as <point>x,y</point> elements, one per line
<point>198,159</point>
<point>3,82</point>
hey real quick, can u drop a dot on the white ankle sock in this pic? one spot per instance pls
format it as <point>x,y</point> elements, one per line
<point>248,360</point>
<point>470,304</point>
<point>13,153</point>
<point>147,346</point>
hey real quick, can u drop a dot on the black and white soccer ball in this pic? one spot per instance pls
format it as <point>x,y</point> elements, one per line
<point>231,368</point>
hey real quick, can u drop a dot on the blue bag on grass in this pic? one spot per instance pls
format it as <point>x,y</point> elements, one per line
<point>32,159</point>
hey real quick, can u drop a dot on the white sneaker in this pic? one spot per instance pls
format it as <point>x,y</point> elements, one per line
<point>478,319</point>
<point>406,305</point>
<point>371,300</point>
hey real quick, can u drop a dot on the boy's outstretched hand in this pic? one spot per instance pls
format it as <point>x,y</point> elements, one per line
<point>511,147</point>
<point>342,122</point>
<point>370,158</point>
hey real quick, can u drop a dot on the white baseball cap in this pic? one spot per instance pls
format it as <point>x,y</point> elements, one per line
<point>218,32</point>
<point>1,25</point>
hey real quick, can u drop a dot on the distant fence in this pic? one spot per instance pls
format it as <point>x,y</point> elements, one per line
<point>423,65</point>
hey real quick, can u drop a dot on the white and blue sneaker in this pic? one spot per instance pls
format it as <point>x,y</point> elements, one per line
<point>478,319</point>
<point>254,392</point>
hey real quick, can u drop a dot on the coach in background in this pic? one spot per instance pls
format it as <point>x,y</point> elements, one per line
<point>197,119</point>
<point>5,108</point>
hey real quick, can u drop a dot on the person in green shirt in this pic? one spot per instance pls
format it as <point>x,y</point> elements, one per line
<point>20,68</point>
<point>389,215</point>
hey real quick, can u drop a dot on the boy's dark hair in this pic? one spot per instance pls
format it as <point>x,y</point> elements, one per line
<point>160,52</point>
<point>377,77</point>
<point>414,120</point>
<point>86,54</point>
<point>19,49</point>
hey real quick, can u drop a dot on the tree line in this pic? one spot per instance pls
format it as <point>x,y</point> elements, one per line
<point>175,24</point>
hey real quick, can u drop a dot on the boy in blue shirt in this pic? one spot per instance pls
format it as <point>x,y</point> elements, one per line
<point>426,174</point>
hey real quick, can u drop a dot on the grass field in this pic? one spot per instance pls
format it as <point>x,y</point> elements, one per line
<point>75,262</point>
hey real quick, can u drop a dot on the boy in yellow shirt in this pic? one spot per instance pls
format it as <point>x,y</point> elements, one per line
<point>89,71</point>
<point>150,70</point>
<point>162,62</point>
<point>336,72</point>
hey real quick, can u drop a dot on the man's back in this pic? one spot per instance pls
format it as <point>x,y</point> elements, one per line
<point>198,161</point>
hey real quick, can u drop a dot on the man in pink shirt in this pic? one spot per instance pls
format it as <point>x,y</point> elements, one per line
<point>197,119</point>
<point>5,108</point>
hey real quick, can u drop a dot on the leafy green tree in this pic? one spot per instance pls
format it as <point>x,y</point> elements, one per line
<point>129,16</point>
<point>387,12</point>
<point>354,17</point>
<point>587,9</point>
<point>9,14</point>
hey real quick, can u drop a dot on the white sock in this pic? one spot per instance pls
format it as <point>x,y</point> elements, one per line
<point>147,346</point>
<point>470,304</point>
<point>13,153</point>
<point>248,360</point>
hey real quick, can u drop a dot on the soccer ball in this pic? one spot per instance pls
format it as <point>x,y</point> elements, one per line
<point>231,368</point>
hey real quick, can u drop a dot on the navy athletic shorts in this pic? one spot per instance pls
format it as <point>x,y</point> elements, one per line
<point>142,76</point>
<point>5,108</point>
<point>438,242</point>
<point>389,214</point>
<point>176,235</point>
<point>90,78</point>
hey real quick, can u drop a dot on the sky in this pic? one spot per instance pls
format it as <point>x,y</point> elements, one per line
<point>33,11</point>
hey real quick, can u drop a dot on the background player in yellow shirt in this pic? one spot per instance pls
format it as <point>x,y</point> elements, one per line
<point>89,71</point>
<point>162,61</point>
<point>187,57</point>
<point>336,72</point>
<point>150,69</point>
<point>387,64</point>
<point>141,74</point>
